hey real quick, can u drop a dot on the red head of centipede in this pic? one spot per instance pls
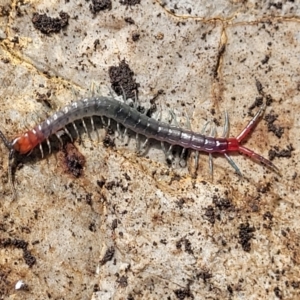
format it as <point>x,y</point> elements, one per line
<point>26,142</point>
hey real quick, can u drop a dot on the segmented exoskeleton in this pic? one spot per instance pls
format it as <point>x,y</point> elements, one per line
<point>133,120</point>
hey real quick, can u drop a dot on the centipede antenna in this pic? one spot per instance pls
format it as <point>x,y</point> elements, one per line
<point>11,158</point>
<point>6,142</point>
<point>233,164</point>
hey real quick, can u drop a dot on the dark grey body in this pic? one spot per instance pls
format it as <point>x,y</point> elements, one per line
<point>130,118</point>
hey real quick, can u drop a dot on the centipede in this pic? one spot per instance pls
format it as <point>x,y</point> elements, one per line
<point>122,113</point>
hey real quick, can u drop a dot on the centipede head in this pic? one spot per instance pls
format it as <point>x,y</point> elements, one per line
<point>11,160</point>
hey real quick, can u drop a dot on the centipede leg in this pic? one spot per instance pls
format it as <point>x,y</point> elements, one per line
<point>173,117</point>
<point>233,164</point>
<point>155,115</point>
<point>74,92</point>
<point>136,101</point>
<point>111,93</point>
<point>138,147</point>
<point>182,160</point>
<point>169,155</point>
<point>98,90</point>
<point>159,115</point>
<point>204,127</point>
<point>95,129</point>
<point>144,148</point>
<point>188,122</point>
<point>226,126</point>
<point>120,135</point>
<point>49,145</point>
<point>196,158</point>
<point>197,153</point>
<point>170,149</point>
<point>211,164</point>
<point>103,121</point>
<point>123,94</point>
<point>224,135</point>
<point>76,131</point>
<point>125,132</point>
<point>84,126</point>
<point>92,89</point>
<point>92,124</point>
<point>162,144</point>
<point>41,150</point>
<point>145,143</point>
<point>85,129</point>
<point>59,138</point>
<point>69,134</point>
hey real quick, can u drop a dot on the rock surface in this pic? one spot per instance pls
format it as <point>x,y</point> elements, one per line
<point>97,221</point>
